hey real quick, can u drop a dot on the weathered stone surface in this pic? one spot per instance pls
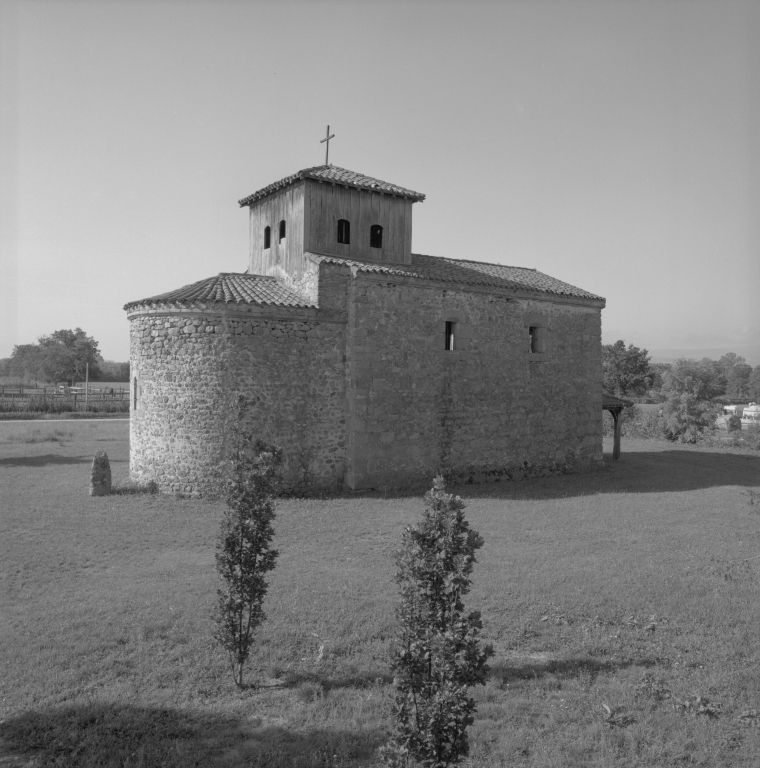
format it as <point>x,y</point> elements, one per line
<point>361,392</point>
<point>100,477</point>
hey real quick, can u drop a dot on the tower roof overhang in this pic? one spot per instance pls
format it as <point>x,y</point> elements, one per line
<point>333,175</point>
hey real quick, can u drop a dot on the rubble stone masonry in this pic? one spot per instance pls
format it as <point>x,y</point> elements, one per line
<point>360,391</point>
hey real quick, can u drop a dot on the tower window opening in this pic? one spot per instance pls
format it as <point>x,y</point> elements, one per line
<point>282,230</point>
<point>134,393</point>
<point>376,236</point>
<point>267,237</point>
<point>451,329</point>
<point>344,231</point>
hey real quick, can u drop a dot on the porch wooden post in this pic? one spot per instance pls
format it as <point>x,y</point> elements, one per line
<point>618,428</point>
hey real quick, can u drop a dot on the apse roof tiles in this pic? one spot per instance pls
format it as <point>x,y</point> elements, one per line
<point>230,288</point>
<point>333,174</point>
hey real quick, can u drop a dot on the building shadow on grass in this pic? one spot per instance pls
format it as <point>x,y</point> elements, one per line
<point>660,471</point>
<point>114,735</point>
<point>43,460</point>
<point>664,470</point>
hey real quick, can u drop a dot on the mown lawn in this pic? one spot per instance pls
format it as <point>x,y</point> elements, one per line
<point>635,589</point>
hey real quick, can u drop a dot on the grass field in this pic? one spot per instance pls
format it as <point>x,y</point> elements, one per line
<point>634,589</point>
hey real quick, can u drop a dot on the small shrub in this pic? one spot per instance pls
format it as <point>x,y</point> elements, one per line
<point>733,423</point>
<point>745,439</point>
<point>249,481</point>
<point>310,690</point>
<point>437,655</point>
<point>753,497</point>
<point>687,418</point>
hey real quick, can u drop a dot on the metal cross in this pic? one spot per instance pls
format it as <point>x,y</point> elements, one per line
<point>327,148</point>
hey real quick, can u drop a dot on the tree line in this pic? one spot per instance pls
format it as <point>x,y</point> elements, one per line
<point>628,372</point>
<point>63,355</point>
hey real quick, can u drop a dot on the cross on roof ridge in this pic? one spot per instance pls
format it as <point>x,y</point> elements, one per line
<point>327,148</point>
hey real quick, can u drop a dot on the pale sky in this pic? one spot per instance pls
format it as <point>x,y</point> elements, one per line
<point>613,145</point>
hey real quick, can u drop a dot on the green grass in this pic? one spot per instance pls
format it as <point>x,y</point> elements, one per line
<point>635,588</point>
<point>40,436</point>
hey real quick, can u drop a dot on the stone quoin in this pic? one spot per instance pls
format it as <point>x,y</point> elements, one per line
<point>371,366</point>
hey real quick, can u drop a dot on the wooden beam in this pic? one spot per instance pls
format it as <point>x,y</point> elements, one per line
<point>618,428</point>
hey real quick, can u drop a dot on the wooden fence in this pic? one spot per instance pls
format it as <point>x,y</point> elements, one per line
<point>74,394</point>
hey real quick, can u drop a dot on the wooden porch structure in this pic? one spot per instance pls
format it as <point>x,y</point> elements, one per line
<point>615,405</point>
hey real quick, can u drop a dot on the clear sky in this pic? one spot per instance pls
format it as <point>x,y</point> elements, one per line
<point>613,145</point>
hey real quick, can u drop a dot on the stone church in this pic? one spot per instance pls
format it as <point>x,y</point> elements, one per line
<point>370,365</point>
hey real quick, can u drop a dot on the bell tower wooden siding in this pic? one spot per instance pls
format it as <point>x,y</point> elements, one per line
<point>311,211</point>
<point>281,258</point>
<point>327,203</point>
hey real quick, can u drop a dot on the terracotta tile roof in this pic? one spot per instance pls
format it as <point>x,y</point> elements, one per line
<point>339,176</point>
<point>608,401</point>
<point>230,288</point>
<point>473,273</point>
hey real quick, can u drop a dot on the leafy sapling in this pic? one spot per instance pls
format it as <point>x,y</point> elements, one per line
<point>249,485</point>
<point>437,654</point>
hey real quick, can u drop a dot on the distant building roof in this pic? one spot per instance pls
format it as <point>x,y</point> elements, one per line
<point>230,288</point>
<point>472,273</point>
<point>336,175</point>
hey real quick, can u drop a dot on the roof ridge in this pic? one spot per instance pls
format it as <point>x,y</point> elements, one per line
<point>475,261</point>
<point>243,274</point>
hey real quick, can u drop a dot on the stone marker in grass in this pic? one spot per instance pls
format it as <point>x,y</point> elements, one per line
<point>100,479</point>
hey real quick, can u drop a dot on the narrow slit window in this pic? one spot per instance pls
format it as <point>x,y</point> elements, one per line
<point>282,230</point>
<point>451,330</point>
<point>344,231</point>
<point>376,236</point>
<point>267,237</point>
<point>537,338</point>
<point>134,394</point>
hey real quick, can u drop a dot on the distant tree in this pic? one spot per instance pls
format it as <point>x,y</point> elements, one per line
<point>687,417</point>
<point>61,356</point>
<point>753,385</point>
<point>113,371</point>
<point>737,381</point>
<point>24,361</point>
<point>729,360</point>
<point>736,373</point>
<point>701,378</point>
<point>625,369</point>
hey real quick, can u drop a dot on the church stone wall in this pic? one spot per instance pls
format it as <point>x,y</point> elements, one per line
<point>487,410</point>
<point>362,392</point>
<point>187,366</point>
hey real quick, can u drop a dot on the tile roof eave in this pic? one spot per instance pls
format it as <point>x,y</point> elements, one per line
<point>228,289</point>
<point>166,306</point>
<point>309,173</point>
